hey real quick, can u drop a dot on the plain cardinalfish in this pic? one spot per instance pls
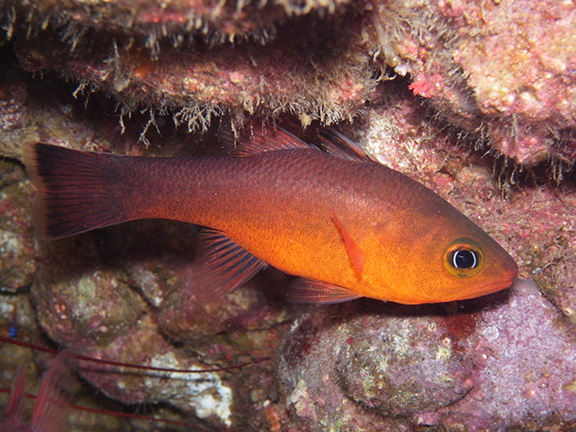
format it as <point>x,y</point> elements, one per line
<point>343,224</point>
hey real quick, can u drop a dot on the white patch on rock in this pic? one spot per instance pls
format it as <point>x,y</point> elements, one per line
<point>203,391</point>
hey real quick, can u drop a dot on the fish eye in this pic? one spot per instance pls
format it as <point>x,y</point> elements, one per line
<point>463,258</point>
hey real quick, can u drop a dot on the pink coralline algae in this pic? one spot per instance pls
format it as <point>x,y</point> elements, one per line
<point>522,376</point>
<point>525,83</point>
<point>504,70</point>
<point>395,368</point>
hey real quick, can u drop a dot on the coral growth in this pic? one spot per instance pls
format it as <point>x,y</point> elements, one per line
<point>401,368</point>
<point>523,85</point>
<point>171,59</point>
<point>503,70</point>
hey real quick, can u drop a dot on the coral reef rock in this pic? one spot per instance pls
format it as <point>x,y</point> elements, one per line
<point>397,368</point>
<point>501,70</point>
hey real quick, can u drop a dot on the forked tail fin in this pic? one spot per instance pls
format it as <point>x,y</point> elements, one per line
<point>77,190</point>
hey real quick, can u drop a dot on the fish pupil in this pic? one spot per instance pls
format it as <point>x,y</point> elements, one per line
<point>464,259</point>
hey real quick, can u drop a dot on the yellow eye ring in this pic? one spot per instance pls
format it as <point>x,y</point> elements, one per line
<point>463,258</point>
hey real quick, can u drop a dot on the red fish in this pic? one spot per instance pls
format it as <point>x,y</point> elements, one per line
<point>345,225</point>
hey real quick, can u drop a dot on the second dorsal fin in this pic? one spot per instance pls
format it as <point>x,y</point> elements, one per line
<point>256,139</point>
<point>260,138</point>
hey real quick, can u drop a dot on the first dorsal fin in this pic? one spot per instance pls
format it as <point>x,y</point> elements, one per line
<point>265,138</point>
<point>338,145</point>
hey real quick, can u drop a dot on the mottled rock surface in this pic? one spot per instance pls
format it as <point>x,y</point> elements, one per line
<point>496,364</point>
<point>504,70</point>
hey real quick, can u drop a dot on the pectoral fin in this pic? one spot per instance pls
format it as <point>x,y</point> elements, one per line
<point>313,291</point>
<point>354,251</point>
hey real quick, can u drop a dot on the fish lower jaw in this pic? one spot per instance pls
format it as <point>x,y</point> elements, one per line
<point>419,298</point>
<point>489,288</point>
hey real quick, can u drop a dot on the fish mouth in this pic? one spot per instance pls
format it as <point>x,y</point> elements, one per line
<point>492,287</point>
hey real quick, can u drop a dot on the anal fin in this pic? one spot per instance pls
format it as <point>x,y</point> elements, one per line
<point>313,291</point>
